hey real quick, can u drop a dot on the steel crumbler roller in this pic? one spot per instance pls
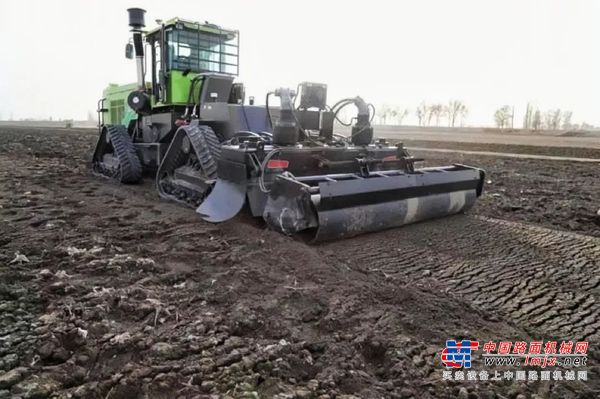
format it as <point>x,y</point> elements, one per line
<point>191,128</point>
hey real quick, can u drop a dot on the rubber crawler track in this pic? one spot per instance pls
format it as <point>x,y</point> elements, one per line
<point>206,147</point>
<point>130,168</point>
<point>543,280</point>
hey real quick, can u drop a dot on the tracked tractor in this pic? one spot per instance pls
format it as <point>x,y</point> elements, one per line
<point>190,128</point>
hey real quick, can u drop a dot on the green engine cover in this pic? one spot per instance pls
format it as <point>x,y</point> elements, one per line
<point>119,113</point>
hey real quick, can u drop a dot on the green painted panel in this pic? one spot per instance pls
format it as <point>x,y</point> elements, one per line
<point>119,113</point>
<point>178,87</point>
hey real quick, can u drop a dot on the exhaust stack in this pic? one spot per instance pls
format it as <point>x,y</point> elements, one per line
<point>136,22</point>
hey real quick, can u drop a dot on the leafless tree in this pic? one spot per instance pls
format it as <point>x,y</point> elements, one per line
<point>435,111</point>
<point>566,120</point>
<point>384,113</point>
<point>556,119</point>
<point>421,113</point>
<point>586,126</point>
<point>455,109</point>
<point>430,114</point>
<point>502,116</point>
<point>401,113</point>
<point>393,113</point>
<point>528,118</point>
<point>463,112</point>
<point>536,123</point>
<point>547,119</point>
<point>552,119</point>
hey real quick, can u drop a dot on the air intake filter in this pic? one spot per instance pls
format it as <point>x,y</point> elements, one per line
<point>136,18</point>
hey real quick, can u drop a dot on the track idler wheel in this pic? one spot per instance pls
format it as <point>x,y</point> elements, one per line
<point>115,156</point>
<point>188,170</point>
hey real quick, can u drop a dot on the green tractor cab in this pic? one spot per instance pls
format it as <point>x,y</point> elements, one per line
<point>177,62</point>
<point>180,50</point>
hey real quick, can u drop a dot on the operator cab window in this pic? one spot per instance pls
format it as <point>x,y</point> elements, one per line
<point>202,51</point>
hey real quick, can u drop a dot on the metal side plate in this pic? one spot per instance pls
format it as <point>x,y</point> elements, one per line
<point>228,196</point>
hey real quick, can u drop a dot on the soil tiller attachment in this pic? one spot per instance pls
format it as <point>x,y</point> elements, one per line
<point>303,179</point>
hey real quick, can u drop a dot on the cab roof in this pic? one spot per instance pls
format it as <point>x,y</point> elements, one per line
<point>187,24</point>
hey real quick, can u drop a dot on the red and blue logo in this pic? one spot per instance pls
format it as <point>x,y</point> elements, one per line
<point>458,354</point>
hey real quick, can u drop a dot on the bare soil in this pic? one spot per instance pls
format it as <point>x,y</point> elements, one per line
<point>556,138</point>
<point>555,194</point>
<point>575,152</point>
<point>121,295</point>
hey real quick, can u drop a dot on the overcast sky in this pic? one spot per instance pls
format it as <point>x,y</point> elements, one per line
<point>57,56</point>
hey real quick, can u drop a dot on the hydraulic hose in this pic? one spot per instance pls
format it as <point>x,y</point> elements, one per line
<point>190,92</point>
<point>268,109</point>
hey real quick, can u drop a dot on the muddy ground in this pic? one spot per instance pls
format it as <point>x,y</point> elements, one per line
<point>575,152</point>
<point>556,194</point>
<point>557,138</point>
<point>107,292</point>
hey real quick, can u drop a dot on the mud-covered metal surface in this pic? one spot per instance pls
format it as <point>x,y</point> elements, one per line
<point>107,292</point>
<point>337,207</point>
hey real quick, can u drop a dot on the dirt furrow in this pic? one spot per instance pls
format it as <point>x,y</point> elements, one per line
<point>484,258</point>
